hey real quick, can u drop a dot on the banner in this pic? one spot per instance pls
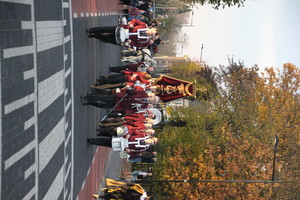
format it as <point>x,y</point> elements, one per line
<point>169,88</point>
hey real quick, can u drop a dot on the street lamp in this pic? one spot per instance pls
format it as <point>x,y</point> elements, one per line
<point>275,149</point>
<point>201,52</point>
<point>192,18</point>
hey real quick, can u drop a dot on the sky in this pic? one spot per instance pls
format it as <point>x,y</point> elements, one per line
<point>263,32</point>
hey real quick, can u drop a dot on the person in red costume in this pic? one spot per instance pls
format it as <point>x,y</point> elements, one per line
<point>141,121</point>
<point>136,99</point>
<point>124,76</point>
<point>139,34</point>
<point>138,67</point>
<point>136,142</point>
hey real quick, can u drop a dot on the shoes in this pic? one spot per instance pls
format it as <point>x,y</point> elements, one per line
<point>100,125</point>
<point>84,101</point>
<point>95,196</point>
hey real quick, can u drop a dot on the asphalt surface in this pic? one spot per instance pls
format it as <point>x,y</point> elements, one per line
<point>91,59</point>
<point>47,61</point>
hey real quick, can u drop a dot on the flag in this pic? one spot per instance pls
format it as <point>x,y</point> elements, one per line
<point>169,88</point>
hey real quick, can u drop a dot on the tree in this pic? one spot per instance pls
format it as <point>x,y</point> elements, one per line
<point>231,137</point>
<point>201,74</point>
<point>218,3</point>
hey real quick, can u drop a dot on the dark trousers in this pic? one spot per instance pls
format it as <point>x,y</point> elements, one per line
<point>109,86</point>
<point>106,132</point>
<point>113,119</point>
<point>95,97</point>
<point>111,79</point>
<point>106,34</point>
<point>112,124</point>
<point>100,104</point>
<point>101,141</point>
<point>116,114</point>
<point>118,69</point>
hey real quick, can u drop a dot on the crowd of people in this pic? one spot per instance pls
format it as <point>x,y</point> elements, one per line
<point>129,93</point>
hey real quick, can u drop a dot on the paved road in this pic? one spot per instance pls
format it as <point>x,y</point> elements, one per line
<point>46,63</point>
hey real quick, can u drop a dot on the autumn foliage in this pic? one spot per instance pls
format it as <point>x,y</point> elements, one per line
<point>231,137</point>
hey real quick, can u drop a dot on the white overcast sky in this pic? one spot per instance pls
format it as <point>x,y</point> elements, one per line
<point>263,32</point>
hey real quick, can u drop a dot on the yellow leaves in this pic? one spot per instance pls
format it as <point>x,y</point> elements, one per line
<point>166,176</point>
<point>262,112</point>
<point>239,144</point>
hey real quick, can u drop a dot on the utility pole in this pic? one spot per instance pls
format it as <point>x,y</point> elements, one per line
<point>192,18</point>
<point>275,149</point>
<point>201,53</point>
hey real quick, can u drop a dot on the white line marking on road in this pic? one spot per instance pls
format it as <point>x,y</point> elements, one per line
<point>50,24</point>
<point>29,123</point>
<point>49,34</point>
<point>29,171</point>
<point>29,74</point>
<point>67,172</point>
<point>67,39</point>
<point>17,51</point>
<point>18,155</point>
<point>27,25</point>
<point>65,193</point>
<point>50,89</point>
<point>67,73</point>
<point>68,106</point>
<point>19,1</point>
<point>30,194</point>
<point>56,186</point>
<point>72,103</point>
<point>68,138</point>
<point>49,145</point>
<point>18,103</point>
<point>66,92</point>
<point>83,185</point>
<point>66,161</point>
<point>66,125</point>
<point>65,4</point>
<point>35,102</point>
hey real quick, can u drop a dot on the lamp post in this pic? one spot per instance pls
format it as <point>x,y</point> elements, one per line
<point>192,18</point>
<point>274,158</point>
<point>189,25</point>
<point>181,50</point>
<point>201,52</point>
